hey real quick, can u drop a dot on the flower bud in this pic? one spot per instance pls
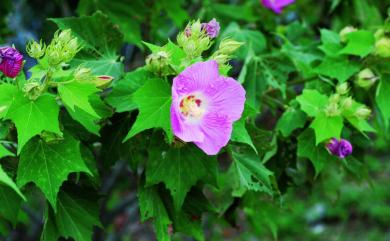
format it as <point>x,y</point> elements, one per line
<point>379,34</point>
<point>54,57</point>
<point>342,88</point>
<point>181,39</point>
<point>341,149</point>
<point>366,78</point>
<point>158,62</point>
<point>35,49</point>
<point>196,28</point>
<point>334,99</point>
<point>11,61</point>
<point>229,46</point>
<point>211,28</point>
<point>32,90</point>
<point>382,47</point>
<point>346,103</point>
<point>345,31</point>
<point>221,58</point>
<point>83,74</point>
<point>102,81</point>
<point>332,109</point>
<point>204,44</point>
<point>363,112</point>
<point>64,36</point>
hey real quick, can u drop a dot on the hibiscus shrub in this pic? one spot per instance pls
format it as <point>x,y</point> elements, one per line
<point>212,127</point>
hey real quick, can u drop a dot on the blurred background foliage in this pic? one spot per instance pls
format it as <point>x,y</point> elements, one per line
<point>334,206</point>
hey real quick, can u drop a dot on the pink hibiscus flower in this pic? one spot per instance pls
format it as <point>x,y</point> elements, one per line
<point>205,105</point>
<point>276,5</point>
<point>11,61</point>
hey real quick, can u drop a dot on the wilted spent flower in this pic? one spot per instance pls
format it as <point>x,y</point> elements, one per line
<point>345,31</point>
<point>342,89</point>
<point>11,61</point>
<point>35,49</point>
<point>366,78</point>
<point>341,149</point>
<point>363,112</point>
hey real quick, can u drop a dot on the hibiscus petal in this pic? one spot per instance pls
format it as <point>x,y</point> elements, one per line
<point>187,132</point>
<point>196,77</point>
<point>226,96</point>
<point>217,130</point>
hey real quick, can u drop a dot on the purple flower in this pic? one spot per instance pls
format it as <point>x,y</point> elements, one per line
<point>11,61</point>
<point>205,105</point>
<point>212,28</point>
<point>276,5</point>
<point>342,148</point>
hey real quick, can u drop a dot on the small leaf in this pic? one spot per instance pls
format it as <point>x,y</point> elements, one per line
<point>10,202</point>
<point>326,127</point>
<point>31,117</point>
<point>316,154</point>
<point>312,102</point>
<point>7,93</point>
<point>49,164</point>
<point>290,120</point>
<point>360,43</point>
<point>382,98</point>
<point>179,169</point>
<point>154,101</point>
<point>77,94</point>
<point>6,180</point>
<point>151,206</point>
<point>339,68</point>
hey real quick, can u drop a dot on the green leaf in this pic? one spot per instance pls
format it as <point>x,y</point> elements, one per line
<point>330,42</point>
<point>179,169</point>
<point>312,102</point>
<point>77,94</point>
<point>49,164</point>
<point>151,206</point>
<point>10,202</point>
<point>254,40</point>
<point>7,93</point>
<point>154,101</point>
<point>7,181</point>
<point>360,43</point>
<point>107,64</point>
<point>241,135</point>
<point>367,13</point>
<point>230,11</point>
<point>121,97</point>
<point>31,117</point>
<point>76,217</point>
<point>326,127</point>
<point>91,122</point>
<point>339,68</point>
<point>85,29</point>
<point>318,155</point>
<point>382,98</point>
<point>175,11</point>
<point>5,152</point>
<point>290,120</point>
<point>251,173</point>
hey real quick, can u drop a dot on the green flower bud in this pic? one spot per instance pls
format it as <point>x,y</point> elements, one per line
<point>345,31</point>
<point>35,49</point>
<point>382,47</point>
<point>158,62</point>
<point>363,112</point>
<point>346,103</point>
<point>204,44</point>
<point>221,58</point>
<point>54,57</point>
<point>229,46</point>
<point>366,78</point>
<point>102,81</point>
<point>64,36</point>
<point>181,39</point>
<point>32,90</point>
<point>379,33</point>
<point>342,88</point>
<point>83,74</point>
<point>332,110</point>
<point>196,29</point>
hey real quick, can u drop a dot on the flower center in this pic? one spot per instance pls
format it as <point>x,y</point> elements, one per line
<point>192,106</point>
